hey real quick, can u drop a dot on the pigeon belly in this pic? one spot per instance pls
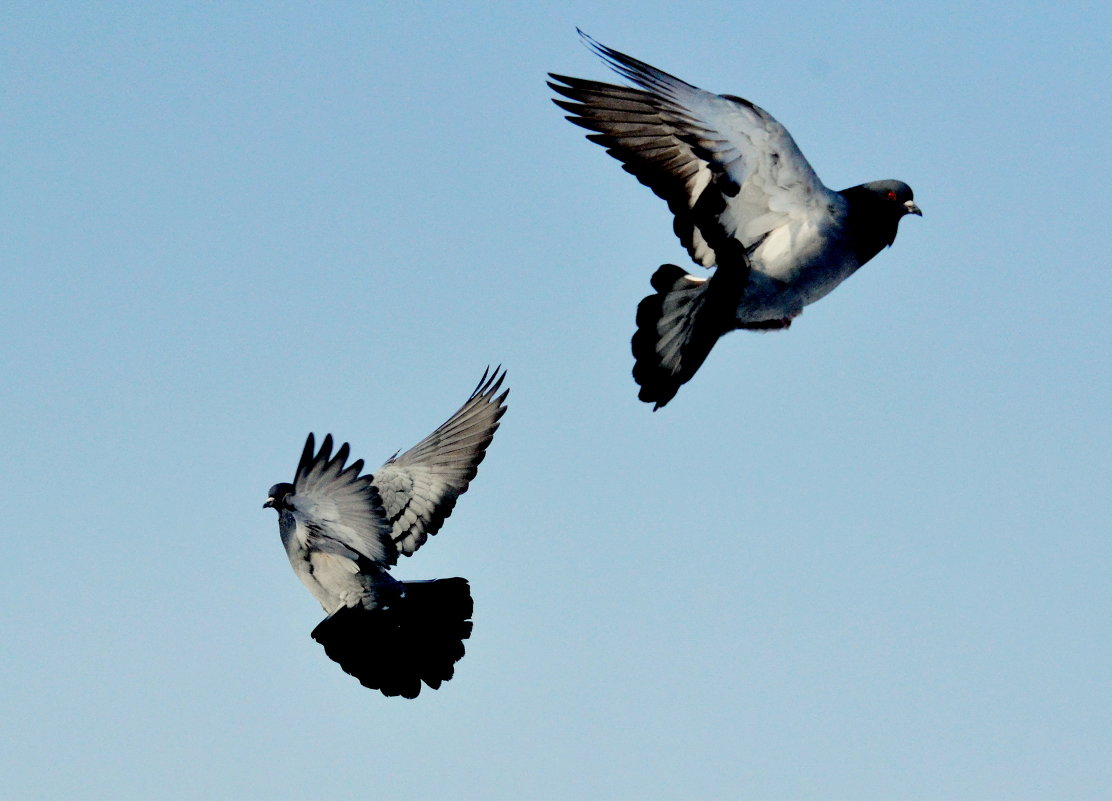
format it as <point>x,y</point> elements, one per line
<point>334,580</point>
<point>779,289</point>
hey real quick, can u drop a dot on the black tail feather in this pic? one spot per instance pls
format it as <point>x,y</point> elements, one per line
<point>393,650</point>
<point>677,327</point>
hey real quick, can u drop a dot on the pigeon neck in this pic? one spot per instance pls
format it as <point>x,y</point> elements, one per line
<point>870,222</point>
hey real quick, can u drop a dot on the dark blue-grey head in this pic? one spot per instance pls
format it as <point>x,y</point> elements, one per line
<point>277,496</point>
<point>875,209</point>
<point>895,197</point>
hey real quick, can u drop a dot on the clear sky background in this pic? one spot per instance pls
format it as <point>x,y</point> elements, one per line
<point>865,559</point>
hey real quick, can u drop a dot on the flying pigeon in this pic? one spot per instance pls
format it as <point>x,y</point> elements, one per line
<point>745,201</point>
<point>344,531</point>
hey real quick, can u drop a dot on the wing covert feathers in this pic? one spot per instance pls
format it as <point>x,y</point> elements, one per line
<point>696,149</point>
<point>420,487</point>
<point>341,504</point>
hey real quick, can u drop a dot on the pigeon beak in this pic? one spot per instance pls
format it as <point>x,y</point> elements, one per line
<point>269,503</point>
<point>912,208</point>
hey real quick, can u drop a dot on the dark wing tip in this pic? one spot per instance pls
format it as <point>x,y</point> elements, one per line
<point>311,457</point>
<point>490,383</point>
<point>588,40</point>
<point>309,454</point>
<point>633,69</point>
<point>309,449</point>
<point>559,82</point>
<point>341,457</point>
<point>487,389</point>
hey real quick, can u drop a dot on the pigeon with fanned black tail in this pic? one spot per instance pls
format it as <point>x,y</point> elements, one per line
<point>343,531</point>
<point>745,201</point>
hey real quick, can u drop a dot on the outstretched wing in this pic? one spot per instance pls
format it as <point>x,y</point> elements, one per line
<point>419,488</point>
<point>725,166</point>
<point>341,510</point>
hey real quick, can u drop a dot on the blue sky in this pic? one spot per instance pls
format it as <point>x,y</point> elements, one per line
<point>867,558</point>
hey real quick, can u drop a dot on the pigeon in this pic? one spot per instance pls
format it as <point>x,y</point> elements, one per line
<point>745,202</point>
<point>343,531</point>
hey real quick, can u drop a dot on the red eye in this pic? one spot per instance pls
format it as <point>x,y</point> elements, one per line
<point>891,195</point>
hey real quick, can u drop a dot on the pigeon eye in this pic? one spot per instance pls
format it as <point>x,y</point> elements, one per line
<point>890,195</point>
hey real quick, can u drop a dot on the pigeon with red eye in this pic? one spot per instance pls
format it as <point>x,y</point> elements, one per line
<point>343,530</point>
<point>745,201</point>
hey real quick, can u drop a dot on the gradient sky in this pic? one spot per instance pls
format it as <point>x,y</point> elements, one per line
<point>865,559</point>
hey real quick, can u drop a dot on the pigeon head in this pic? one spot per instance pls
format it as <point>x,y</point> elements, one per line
<point>875,209</point>
<point>896,197</point>
<point>278,495</point>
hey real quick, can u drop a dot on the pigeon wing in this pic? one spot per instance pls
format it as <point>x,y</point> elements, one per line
<point>687,145</point>
<point>419,488</point>
<point>341,509</point>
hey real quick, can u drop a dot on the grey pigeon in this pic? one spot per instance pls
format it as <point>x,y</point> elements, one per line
<point>745,201</point>
<point>343,531</point>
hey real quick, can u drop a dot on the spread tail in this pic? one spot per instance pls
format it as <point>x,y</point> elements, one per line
<point>676,328</point>
<point>394,649</point>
